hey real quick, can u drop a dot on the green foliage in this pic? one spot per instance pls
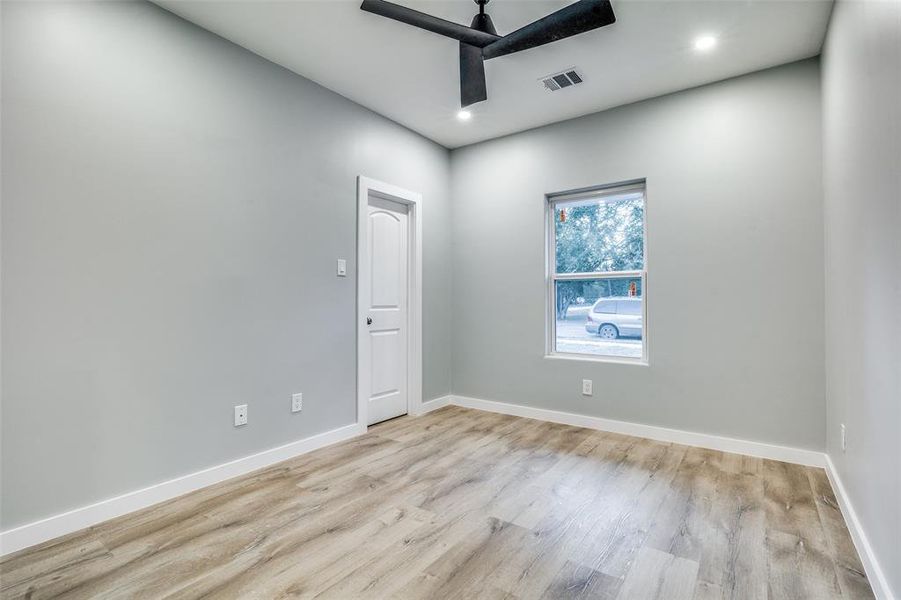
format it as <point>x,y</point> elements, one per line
<point>598,237</point>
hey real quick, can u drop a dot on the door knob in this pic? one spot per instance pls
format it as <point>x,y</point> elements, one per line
<point>369,320</point>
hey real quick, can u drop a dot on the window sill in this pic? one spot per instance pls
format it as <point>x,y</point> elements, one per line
<point>635,362</point>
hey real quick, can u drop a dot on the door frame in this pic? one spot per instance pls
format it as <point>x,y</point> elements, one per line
<point>367,186</point>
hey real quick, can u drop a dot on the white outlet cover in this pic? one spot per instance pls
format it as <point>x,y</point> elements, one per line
<point>342,267</point>
<point>240,415</point>
<point>296,402</point>
<point>586,387</point>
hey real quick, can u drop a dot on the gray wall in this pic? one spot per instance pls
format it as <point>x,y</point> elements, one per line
<point>734,204</point>
<point>862,167</point>
<point>173,207</point>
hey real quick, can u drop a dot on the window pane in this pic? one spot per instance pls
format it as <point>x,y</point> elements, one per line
<point>600,317</point>
<point>600,234</point>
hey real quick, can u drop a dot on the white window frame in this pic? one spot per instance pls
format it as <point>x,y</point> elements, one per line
<point>552,277</point>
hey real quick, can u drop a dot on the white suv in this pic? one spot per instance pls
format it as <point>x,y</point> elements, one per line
<point>615,317</point>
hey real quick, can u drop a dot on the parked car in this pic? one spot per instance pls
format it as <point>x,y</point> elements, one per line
<point>615,317</point>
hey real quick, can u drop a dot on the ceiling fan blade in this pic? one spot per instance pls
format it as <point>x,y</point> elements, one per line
<point>574,19</point>
<point>465,34</point>
<point>472,76</point>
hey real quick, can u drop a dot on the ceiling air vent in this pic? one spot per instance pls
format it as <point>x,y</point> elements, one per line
<point>558,81</point>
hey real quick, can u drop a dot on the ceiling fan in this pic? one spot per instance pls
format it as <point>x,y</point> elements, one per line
<point>480,40</point>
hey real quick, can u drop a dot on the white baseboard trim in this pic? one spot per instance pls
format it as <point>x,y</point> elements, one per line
<point>875,574</point>
<point>80,518</point>
<point>58,525</point>
<point>810,458</point>
<point>435,404</point>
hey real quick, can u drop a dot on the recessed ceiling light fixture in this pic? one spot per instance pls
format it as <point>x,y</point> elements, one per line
<point>705,42</point>
<point>464,115</point>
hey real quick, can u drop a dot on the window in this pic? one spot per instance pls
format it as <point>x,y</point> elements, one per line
<point>597,273</point>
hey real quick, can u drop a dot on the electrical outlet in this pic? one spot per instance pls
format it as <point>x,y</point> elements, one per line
<point>296,402</point>
<point>844,440</point>
<point>240,415</point>
<point>586,387</point>
<point>342,267</point>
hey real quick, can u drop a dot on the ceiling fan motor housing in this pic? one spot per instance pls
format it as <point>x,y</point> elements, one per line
<point>482,22</point>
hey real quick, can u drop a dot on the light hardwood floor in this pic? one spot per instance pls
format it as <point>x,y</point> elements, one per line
<point>468,504</point>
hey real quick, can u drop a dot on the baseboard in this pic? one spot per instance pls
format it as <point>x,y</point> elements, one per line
<point>799,456</point>
<point>435,404</point>
<point>875,574</point>
<point>80,518</point>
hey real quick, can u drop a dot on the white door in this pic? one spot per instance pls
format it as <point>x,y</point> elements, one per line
<point>384,286</point>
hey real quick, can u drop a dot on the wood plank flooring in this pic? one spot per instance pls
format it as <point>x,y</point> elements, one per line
<point>467,504</point>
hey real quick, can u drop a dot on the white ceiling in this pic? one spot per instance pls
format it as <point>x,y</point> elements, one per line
<point>411,76</point>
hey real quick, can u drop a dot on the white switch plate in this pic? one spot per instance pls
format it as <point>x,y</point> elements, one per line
<point>296,402</point>
<point>240,415</point>
<point>342,267</point>
<point>586,387</point>
<point>843,437</point>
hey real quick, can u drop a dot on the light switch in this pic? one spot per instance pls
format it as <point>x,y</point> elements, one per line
<point>342,267</point>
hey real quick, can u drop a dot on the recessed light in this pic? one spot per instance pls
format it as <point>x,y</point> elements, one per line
<point>464,115</point>
<point>705,42</point>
